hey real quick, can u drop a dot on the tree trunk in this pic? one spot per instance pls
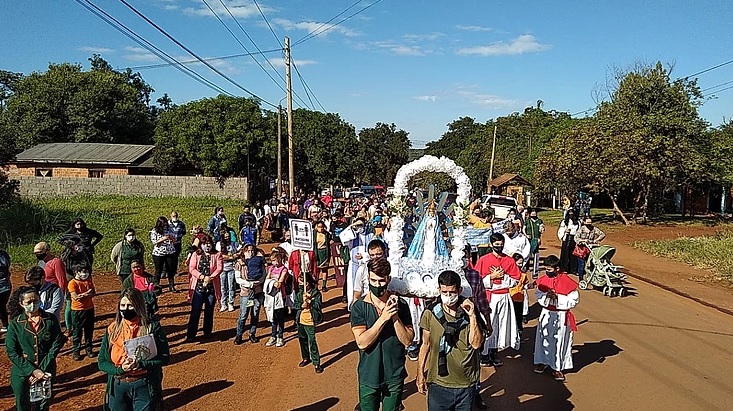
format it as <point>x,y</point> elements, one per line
<point>618,210</point>
<point>637,200</point>
<point>645,206</point>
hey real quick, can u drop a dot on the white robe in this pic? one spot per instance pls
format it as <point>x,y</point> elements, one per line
<point>357,244</point>
<point>273,299</point>
<point>554,341</point>
<point>503,318</point>
<point>517,245</point>
<point>416,311</point>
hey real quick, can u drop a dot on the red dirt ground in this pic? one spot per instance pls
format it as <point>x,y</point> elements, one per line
<point>652,350</point>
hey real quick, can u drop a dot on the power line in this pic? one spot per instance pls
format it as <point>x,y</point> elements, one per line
<point>192,53</point>
<point>231,56</point>
<point>717,66</point>
<point>277,39</point>
<point>716,86</point>
<point>315,34</point>
<point>329,20</point>
<point>129,33</point>
<point>254,44</point>
<point>718,91</point>
<point>307,88</point>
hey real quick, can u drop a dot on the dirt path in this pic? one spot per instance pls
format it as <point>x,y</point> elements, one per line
<point>652,350</point>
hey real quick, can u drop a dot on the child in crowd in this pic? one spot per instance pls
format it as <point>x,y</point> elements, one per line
<point>308,314</point>
<point>278,272</point>
<point>254,266</point>
<point>323,253</point>
<point>519,294</point>
<point>82,310</point>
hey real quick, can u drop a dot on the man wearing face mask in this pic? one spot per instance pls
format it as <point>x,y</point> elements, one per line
<point>499,273</point>
<point>533,228</point>
<point>448,365</point>
<point>51,295</point>
<point>356,238</point>
<point>382,328</point>
<point>515,242</point>
<point>557,293</point>
<point>587,236</point>
<point>52,265</point>
<point>215,222</point>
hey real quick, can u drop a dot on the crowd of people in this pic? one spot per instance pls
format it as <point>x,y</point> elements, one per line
<point>450,337</point>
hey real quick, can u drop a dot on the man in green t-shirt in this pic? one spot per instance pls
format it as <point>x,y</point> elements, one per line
<point>448,366</point>
<point>533,228</point>
<point>382,328</point>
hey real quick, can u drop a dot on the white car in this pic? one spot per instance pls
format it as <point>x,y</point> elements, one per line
<point>500,204</point>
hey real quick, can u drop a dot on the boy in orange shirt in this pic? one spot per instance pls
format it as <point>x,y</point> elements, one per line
<point>82,310</point>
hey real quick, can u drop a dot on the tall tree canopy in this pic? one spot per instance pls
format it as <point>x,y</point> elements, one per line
<point>383,149</point>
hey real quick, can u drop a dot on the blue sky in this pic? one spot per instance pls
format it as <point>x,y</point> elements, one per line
<point>418,64</point>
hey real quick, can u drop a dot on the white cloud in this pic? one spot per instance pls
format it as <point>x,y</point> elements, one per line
<point>431,99</point>
<point>525,43</point>
<point>280,62</point>
<point>423,37</point>
<point>311,26</point>
<point>407,50</point>
<point>239,8</point>
<point>396,48</point>
<point>474,28</point>
<point>490,101</point>
<point>139,54</point>
<point>95,50</point>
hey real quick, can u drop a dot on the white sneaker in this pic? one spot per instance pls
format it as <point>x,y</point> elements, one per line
<point>3,330</point>
<point>223,308</point>
<point>280,342</point>
<point>270,342</point>
<point>230,307</point>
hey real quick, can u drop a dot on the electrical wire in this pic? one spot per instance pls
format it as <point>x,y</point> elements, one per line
<point>277,39</point>
<point>715,67</point>
<point>231,56</point>
<point>307,88</point>
<point>193,54</point>
<point>254,44</point>
<point>330,20</point>
<point>312,35</point>
<point>716,86</point>
<point>142,42</point>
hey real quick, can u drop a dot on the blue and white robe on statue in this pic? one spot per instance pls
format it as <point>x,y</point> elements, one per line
<point>357,244</point>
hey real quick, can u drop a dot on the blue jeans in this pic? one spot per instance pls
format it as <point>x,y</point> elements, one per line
<point>227,287</point>
<point>450,399</point>
<point>278,322</point>
<point>199,301</point>
<point>245,311</point>
<point>581,268</point>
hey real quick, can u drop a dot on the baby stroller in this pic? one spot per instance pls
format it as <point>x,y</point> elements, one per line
<point>601,273</point>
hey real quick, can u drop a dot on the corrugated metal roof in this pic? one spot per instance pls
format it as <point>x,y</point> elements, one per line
<point>86,153</point>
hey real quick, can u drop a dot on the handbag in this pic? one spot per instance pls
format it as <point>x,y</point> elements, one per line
<point>581,251</point>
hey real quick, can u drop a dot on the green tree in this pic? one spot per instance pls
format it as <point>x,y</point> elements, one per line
<point>383,149</point>
<point>219,137</point>
<point>67,104</point>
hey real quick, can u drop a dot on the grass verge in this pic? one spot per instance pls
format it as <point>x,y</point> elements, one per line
<point>27,222</point>
<point>707,252</point>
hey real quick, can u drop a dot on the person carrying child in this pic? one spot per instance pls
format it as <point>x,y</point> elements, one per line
<point>82,310</point>
<point>308,315</point>
<point>249,273</point>
<point>557,293</point>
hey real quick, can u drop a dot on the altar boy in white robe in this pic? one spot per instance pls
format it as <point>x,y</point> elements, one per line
<point>557,293</point>
<point>356,238</point>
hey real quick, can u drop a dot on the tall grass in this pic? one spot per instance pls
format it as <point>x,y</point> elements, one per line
<point>708,252</point>
<point>27,222</point>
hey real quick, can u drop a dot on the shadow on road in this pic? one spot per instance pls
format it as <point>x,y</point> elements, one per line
<point>194,393</point>
<point>321,405</point>
<point>592,352</point>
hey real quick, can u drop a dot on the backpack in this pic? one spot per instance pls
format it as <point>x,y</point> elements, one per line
<point>247,235</point>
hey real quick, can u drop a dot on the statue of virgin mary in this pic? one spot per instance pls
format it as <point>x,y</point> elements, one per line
<point>428,243</point>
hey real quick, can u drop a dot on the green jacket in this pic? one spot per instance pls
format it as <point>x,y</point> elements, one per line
<point>154,366</point>
<point>315,305</point>
<point>29,350</point>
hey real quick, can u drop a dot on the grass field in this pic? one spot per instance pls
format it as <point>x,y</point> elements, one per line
<point>25,223</point>
<point>708,252</point>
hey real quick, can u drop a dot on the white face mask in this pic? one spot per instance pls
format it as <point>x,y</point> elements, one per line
<point>174,219</point>
<point>83,276</point>
<point>130,238</point>
<point>32,307</point>
<point>206,248</point>
<point>449,301</point>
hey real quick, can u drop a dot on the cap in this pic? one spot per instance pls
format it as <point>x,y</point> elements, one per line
<point>41,247</point>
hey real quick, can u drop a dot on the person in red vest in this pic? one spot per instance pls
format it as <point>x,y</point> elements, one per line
<point>499,273</point>
<point>557,293</point>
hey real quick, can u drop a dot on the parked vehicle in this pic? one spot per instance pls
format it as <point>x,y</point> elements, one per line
<point>500,204</point>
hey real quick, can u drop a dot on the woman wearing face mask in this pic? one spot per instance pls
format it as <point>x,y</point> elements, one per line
<point>133,383</point>
<point>125,252</point>
<point>164,252</point>
<point>144,282</point>
<point>566,233</point>
<point>89,238</point>
<point>32,343</point>
<point>204,287</point>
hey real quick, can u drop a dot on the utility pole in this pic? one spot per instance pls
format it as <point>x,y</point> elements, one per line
<point>279,151</point>
<point>291,154</point>
<point>493,152</point>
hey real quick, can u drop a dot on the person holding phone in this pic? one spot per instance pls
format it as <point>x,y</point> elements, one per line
<point>382,327</point>
<point>133,383</point>
<point>164,252</point>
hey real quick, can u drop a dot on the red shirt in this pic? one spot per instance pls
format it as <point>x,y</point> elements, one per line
<point>489,261</point>
<point>56,273</point>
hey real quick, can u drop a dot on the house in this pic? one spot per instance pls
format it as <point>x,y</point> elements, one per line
<point>83,160</point>
<point>512,185</point>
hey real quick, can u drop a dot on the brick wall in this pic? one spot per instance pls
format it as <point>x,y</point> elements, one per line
<point>56,171</point>
<point>153,186</point>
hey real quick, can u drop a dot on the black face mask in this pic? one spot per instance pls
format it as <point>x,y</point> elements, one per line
<point>534,217</point>
<point>551,274</point>
<point>498,248</point>
<point>129,314</point>
<point>41,256</point>
<point>590,226</point>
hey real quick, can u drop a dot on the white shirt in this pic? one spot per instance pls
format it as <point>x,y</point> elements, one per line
<point>517,245</point>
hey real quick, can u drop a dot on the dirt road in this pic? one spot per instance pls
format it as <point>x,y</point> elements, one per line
<point>651,350</point>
